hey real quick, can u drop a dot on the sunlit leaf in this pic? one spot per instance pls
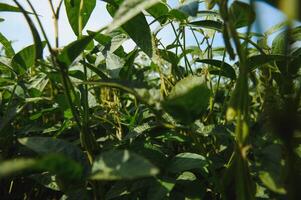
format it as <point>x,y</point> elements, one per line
<point>121,164</point>
<point>73,50</point>
<point>188,99</point>
<point>74,15</point>
<point>11,167</point>
<point>24,59</point>
<point>269,182</point>
<point>9,51</point>
<point>138,30</point>
<point>190,9</point>
<point>129,9</point>
<point>242,14</point>
<point>46,145</point>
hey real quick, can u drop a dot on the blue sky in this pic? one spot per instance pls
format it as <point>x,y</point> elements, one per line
<point>16,29</point>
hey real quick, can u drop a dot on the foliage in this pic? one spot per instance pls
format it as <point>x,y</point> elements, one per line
<point>93,121</point>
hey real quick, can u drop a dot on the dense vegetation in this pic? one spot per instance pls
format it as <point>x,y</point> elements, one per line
<point>93,121</point>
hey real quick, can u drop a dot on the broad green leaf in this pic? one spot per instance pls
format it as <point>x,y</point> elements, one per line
<point>112,42</point>
<point>138,30</point>
<point>121,164</point>
<point>74,15</point>
<point>187,176</point>
<point>169,56</point>
<point>139,130</point>
<point>114,64</point>
<point>242,14</point>
<point>187,161</point>
<point>190,9</point>
<point>159,11</point>
<point>188,99</point>
<point>160,189</point>
<point>11,167</point>
<point>140,33</point>
<point>73,50</point>
<point>62,166</point>
<point>184,11</point>
<point>175,14</point>
<point>210,24</point>
<point>259,60</point>
<point>24,59</point>
<point>56,164</point>
<point>279,44</point>
<point>129,9</point>
<point>270,183</point>
<point>273,173</point>
<point>9,51</point>
<point>226,69</point>
<point>281,41</point>
<point>46,145</point>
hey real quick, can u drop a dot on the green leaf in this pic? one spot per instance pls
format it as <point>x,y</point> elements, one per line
<point>160,189</point>
<point>129,9</point>
<point>46,145</point>
<point>259,60</point>
<point>190,9</point>
<point>24,59</point>
<point>210,24</point>
<point>169,56</point>
<point>281,41</point>
<point>73,50</point>
<point>11,167</point>
<point>159,11</point>
<point>121,164</point>
<point>225,68</point>
<point>140,33</point>
<point>242,14</point>
<point>114,64</point>
<point>9,51</point>
<point>9,8</point>
<point>54,163</point>
<point>62,166</point>
<point>270,183</point>
<point>188,99</point>
<point>177,15</point>
<point>184,11</point>
<point>187,161</point>
<point>73,12</point>
<point>138,30</point>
